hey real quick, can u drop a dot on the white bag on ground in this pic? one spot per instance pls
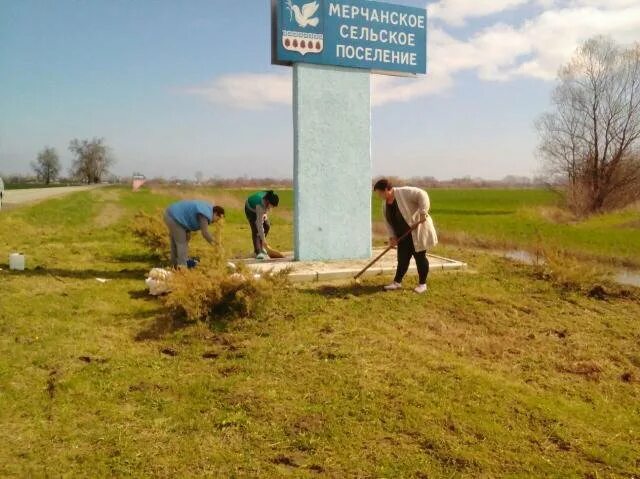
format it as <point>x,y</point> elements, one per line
<point>158,281</point>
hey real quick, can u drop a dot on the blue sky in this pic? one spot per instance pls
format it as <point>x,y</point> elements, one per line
<point>172,86</point>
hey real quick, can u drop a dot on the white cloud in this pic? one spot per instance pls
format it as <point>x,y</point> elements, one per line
<point>604,3</point>
<point>534,49</point>
<point>455,12</point>
<point>251,91</point>
<point>555,34</point>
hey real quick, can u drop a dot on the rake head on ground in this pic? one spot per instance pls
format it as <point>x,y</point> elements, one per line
<point>274,254</point>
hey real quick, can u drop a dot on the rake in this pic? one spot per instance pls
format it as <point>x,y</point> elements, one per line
<point>274,253</point>
<point>387,249</point>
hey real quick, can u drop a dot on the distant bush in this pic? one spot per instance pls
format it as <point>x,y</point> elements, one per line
<point>152,232</point>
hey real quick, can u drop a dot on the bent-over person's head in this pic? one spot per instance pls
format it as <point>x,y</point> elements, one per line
<point>271,199</point>
<point>384,189</point>
<point>218,213</point>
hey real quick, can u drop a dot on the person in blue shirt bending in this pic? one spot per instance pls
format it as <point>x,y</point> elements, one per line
<point>187,216</point>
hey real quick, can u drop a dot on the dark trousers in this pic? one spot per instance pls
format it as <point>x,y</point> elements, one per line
<point>406,250</point>
<point>255,237</point>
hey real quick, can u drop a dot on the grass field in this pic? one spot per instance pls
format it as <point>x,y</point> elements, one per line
<point>500,372</point>
<point>501,219</point>
<point>531,219</point>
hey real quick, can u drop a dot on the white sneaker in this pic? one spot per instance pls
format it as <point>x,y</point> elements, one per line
<point>393,286</point>
<point>422,288</point>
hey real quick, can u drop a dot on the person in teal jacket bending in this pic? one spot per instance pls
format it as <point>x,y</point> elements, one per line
<point>256,209</point>
<point>184,217</point>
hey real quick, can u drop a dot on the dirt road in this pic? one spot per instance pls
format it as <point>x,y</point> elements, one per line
<point>14,198</point>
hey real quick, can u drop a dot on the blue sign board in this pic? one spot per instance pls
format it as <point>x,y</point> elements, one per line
<point>350,33</point>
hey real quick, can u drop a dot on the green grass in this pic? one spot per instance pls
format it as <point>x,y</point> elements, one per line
<point>504,219</point>
<point>530,219</point>
<point>494,373</point>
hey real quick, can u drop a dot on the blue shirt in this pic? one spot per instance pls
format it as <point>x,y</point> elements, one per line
<point>186,213</point>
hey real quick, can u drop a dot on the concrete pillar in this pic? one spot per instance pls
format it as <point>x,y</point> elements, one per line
<point>332,162</point>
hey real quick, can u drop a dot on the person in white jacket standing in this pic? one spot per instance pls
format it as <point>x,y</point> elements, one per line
<point>402,208</point>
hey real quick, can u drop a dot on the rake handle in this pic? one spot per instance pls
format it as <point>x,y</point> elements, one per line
<point>388,248</point>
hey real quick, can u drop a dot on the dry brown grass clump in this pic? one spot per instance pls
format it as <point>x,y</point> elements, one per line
<point>213,290</point>
<point>589,369</point>
<point>557,215</point>
<point>570,274</point>
<point>567,272</point>
<point>152,232</point>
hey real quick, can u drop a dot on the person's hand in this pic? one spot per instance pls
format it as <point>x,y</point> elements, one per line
<point>393,242</point>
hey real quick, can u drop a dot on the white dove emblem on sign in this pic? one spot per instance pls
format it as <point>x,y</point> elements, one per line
<point>305,15</point>
<point>302,41</point>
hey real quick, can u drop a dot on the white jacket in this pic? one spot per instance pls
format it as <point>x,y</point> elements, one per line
<point>412,202</point>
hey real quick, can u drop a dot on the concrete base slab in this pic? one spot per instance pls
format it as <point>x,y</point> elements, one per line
<point>310,271</point>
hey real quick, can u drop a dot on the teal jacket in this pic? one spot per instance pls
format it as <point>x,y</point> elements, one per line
<point>255,204</point>
<point>256,200</point>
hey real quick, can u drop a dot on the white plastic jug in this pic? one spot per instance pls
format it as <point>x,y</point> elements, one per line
<point>16,261</point>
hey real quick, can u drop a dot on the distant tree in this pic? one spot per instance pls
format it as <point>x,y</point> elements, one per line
<point>592,138</point>
<point>47,165</point>
<point>199,177</point>
<point>92,160</point>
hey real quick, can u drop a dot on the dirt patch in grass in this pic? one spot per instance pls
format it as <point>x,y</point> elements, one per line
<point>51,383</point>
<point>329,355</point>
<point>597,292</point>
<point>109,215</point>
<point>285,461</point>
<point>169,352</point>
<point>106,194</point>
<point>634,225</point>
<point>588,369</point>
<point>229,371</point>
<point>628,377</point>
<point>309,423</point>
<point>560,333</point>
<point>89,360</point>
<point>556,215</point>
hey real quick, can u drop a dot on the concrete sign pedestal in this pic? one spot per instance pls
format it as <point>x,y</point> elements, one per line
<point>332,162</point>
<point>333,47</point>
